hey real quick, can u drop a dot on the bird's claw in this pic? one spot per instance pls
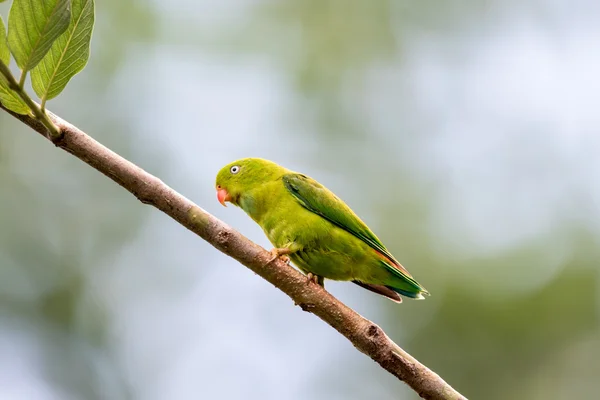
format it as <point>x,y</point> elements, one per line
<point>285,259</point>
<point>310,277</point>
<point>279,253</point>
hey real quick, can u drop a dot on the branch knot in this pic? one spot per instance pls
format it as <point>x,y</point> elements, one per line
<point>223,238</point>
<point>373,331</point>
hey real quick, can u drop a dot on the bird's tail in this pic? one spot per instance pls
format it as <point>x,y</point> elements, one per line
<point>404,283</point>
<point>412,295</point>
<point>382,290</point>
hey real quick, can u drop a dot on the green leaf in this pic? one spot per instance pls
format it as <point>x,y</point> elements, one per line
<point>68,55</point>
<point>11,100</point>
<point>8,97</point>
<point>33,25</point>
<point>4,51</point>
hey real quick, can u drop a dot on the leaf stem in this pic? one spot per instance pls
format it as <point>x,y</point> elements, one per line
<point>22,79</point>
<point>39,113</point>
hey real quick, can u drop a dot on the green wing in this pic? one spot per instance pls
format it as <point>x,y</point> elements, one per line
<point>320,200</point>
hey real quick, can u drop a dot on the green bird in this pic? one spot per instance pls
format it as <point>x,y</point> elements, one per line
<point>313,228</point>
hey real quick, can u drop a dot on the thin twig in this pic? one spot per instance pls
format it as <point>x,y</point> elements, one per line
<point>53,131</point>
<point>366,336</point>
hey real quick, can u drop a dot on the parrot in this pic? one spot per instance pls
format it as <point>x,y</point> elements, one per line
<point>313,228</point>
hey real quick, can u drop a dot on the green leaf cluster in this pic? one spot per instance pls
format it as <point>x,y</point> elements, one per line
<point>49,38</point>
<point>8,97</point>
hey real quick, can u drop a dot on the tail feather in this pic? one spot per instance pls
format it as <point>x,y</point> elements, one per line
<point>406,285</point>
<point>385,291</point>
<point>412,295</point>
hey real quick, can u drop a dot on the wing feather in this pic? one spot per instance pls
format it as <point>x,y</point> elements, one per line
<point>320,200</point>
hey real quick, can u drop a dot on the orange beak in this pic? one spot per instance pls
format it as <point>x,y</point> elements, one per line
<point>223,196</point>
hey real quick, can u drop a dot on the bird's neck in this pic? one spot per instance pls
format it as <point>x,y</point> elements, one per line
<point>256,202</point>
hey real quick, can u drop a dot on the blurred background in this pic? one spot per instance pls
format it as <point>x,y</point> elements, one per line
<point>465,133</point>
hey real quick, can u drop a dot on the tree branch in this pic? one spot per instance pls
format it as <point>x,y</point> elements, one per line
<point>366,336</point>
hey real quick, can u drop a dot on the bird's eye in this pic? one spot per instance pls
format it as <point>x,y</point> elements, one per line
<point>235,169</point>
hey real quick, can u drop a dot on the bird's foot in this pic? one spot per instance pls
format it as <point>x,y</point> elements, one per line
<point>319,280</point>
<point>279,253</point>
<point>285,259</point>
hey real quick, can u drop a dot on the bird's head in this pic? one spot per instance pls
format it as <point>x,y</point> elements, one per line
<point>242,175</point>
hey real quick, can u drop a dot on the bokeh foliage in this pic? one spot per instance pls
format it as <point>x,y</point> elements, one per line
<point>485,197</point>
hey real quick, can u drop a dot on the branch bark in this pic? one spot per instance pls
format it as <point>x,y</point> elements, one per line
<point>366,336</point>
